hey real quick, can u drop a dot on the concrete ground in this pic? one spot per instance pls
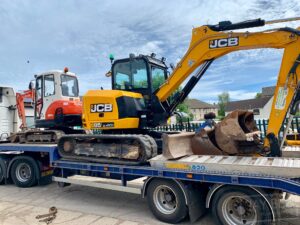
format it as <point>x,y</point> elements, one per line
<point>90,206</point>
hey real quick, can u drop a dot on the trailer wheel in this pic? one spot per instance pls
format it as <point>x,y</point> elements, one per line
<point>166,201</point>
<point>24,172</point>
<point>240,206</point>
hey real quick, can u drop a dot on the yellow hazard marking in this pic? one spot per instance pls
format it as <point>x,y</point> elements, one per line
<point>47,173</point>
<point>180,166</point>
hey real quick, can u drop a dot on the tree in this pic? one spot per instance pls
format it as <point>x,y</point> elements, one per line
<point>157,80</point>
<point>223,100</point>
<point>183,107</point>
<point>258,95</point>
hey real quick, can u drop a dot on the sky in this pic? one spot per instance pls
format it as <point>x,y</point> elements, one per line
<point>37,36</point>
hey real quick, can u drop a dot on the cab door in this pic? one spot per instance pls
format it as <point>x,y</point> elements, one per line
<point>38,106</point>
<point>49,94</point>
<point>44,94</point>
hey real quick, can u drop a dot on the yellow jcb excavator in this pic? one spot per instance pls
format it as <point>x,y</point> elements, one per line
<point>142,88</point>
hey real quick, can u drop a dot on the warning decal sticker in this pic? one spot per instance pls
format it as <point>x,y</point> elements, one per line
<point>281,98</point>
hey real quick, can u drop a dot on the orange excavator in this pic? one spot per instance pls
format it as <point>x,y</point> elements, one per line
<point>57,106</point>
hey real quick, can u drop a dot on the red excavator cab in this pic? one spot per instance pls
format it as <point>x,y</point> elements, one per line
<point>55,98</point>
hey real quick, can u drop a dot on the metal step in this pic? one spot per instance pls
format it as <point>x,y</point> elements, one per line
<point>237,165</point>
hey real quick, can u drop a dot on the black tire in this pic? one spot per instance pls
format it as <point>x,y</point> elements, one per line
<point>166,201</point>
<point>24,172</point>
<point>229,203</point>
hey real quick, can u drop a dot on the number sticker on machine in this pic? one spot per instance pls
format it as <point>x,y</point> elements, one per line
<point>101,125</point>
<point>281,98</point>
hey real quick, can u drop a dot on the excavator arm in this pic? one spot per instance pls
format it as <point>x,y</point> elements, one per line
<point>211,42</point>
<point>20,105</point>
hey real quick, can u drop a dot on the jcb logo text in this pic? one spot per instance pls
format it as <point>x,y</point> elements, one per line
<point>95,108</point>
<point>224,42</point>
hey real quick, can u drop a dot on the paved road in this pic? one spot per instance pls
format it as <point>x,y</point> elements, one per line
<point>90,206</point>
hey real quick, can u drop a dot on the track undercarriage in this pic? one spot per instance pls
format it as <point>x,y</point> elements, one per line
<point>129,149</point>
<point>125,149</point>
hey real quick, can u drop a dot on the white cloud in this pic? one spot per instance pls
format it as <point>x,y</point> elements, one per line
<point>241,94</point>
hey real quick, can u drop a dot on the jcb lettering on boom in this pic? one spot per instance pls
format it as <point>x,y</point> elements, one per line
<point>224,42</point>
<point>95,108</point>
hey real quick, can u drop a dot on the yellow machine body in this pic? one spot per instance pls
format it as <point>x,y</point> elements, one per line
<point>207,44</point>
<point>111,109</point>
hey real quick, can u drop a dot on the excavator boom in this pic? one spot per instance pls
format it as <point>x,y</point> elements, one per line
<point>211,42</point>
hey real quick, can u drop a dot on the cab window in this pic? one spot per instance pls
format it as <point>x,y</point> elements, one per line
<point>139,72</point>
<point>130,75</point>
<point>49,85</point>
<point>158,77</point>
<point>69,86</point>
<point>39,88</point>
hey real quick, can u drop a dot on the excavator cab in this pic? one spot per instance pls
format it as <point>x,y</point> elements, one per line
<point>57,102</point>
<point>129,104</point>
<point>142,74</point>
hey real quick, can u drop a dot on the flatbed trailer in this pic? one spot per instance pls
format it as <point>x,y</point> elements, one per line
<point>175,189</point>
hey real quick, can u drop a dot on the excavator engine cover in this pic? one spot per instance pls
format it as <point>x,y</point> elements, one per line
<point>112,109</point>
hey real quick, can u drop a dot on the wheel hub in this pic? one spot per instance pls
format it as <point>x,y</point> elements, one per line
<point>168,198</point>
<point>165,199</point>
<point>23,172</point>
<point>239,210</point>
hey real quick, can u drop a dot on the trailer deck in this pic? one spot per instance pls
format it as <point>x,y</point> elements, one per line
<point>284,173</point>
<point>280,183</point>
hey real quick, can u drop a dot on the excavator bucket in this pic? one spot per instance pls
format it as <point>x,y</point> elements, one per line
<point>237,133</point>
<point>204,143</point>
<point>177,145</point>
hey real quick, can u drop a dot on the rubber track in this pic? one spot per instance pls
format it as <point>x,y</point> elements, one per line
<point>147,143</point>
<point>42,134</point>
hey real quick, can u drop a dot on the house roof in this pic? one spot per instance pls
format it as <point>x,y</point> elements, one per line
<point>268,91</point>
<point>197,104</point>
<point>247,104</point>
